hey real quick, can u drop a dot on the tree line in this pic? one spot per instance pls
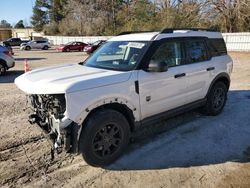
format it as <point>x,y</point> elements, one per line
<point>110,17</point>
<point>5,24</point>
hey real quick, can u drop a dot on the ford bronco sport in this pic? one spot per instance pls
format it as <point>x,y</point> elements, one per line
<point>132,80</point>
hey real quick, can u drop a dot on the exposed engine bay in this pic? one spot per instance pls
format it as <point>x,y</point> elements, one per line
<point>46,107</point>
<point>48,113</point>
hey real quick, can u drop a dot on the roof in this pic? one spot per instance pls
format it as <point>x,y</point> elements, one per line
<point>147,36</point>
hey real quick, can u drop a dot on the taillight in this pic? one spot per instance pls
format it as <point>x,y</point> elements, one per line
<point>8,53</point>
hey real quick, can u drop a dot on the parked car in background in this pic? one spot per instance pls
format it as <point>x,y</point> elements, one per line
<point>35,44</point>
<point>72,46</point>
<point>6,45</point>
<point>14,42</point>
<point>6,60</point>
<point>92,47</point>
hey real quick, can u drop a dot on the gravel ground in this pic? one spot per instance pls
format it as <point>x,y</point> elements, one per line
<point>190,150</point>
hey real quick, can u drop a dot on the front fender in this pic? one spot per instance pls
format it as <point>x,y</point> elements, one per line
<point>109,100</point>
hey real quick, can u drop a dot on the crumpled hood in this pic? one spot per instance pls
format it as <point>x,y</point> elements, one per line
<point>68,78</point>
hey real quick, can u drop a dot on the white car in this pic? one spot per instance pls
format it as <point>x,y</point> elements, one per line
<point>132,80</point>
<point>35,44</point>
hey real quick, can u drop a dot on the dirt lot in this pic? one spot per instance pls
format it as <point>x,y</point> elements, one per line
<point>190,150</point>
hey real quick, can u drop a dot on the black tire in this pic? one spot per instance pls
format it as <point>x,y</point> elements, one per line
<point>104,137</point>
<point>216,99</point>
<point>67,50</point>
<point>45,48</point>
<point>2,69</point>
<point>27,48</point>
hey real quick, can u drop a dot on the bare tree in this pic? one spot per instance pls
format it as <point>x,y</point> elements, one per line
<point>234,13</point>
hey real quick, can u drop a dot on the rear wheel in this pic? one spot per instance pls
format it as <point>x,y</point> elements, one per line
<point>45,47</point>
<point>216,99</point>
<point>104,137</point>
<point>2,69</point>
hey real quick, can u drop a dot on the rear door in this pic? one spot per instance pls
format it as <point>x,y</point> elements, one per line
<point>35,44</point>
<point>200,68</point>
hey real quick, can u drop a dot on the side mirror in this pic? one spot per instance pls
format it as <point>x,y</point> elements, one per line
<point>157,66</point>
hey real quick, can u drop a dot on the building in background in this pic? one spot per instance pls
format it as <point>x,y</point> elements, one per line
<point>25,33</point>
<point>5,33</point>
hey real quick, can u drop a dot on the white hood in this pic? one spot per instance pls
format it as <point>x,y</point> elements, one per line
<point>68,78</point>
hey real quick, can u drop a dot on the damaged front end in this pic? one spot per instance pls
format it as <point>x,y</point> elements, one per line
<point>49,114</point>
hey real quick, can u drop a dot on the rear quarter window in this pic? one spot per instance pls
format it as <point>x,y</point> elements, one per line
<point>217,47</point>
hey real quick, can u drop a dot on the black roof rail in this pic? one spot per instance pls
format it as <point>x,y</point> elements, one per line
<point>131,32</point>
<point>171,30</point>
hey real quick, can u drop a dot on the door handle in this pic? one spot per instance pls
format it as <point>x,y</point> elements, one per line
<point>180,75</point>
<point>210,68</point>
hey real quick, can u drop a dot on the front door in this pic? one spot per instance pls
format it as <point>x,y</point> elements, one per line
<point>163,91</point>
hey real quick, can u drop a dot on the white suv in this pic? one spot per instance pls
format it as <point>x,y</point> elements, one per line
<point>35,44</point>
<point>132,80</point>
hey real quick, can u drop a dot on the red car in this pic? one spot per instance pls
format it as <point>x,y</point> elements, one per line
<point>72,46</point>
<point>92,47</point>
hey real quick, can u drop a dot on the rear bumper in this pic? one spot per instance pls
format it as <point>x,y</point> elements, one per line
<point>11,65</point>
<point>10,62</point>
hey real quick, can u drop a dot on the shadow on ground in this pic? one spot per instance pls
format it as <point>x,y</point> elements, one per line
<point>30,59</point>
<point>10,76</point>
<point>193,139</point>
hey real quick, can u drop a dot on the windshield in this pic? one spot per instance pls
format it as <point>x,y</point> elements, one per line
<point>96,43</point>
<point>117,55</point>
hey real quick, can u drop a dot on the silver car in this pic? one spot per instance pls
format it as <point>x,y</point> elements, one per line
<point>6,60</point>
<point>35,44</point>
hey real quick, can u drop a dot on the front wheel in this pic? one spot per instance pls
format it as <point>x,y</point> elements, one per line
<point>45,47</point>
<point>216,99</point>
<point>27,48</point>
<point>104,137</point>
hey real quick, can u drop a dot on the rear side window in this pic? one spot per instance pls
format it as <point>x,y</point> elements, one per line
<point>217,47</point>
<point>40,41</point>
<point>196,51</point>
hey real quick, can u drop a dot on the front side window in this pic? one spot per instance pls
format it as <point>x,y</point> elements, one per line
<point>117,55</point>
<point>196,51</point>
<point>169,53</point>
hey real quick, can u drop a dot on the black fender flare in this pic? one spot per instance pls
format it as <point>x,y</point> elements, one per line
<point>222,76</point>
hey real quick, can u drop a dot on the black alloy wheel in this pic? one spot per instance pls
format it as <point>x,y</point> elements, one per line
<point>216,99</point>
<point>104,137</point>
<point>107,140</point>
